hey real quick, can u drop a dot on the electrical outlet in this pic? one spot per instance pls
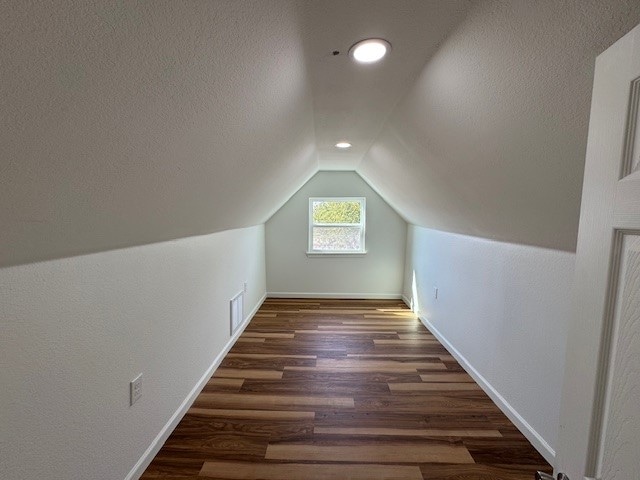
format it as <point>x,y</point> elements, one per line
<point>245,287</point>
<point>135,389</point>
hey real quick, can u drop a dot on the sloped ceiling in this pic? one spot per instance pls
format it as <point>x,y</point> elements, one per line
<point>125,123</point>
<point>490,140</point>
<point>352,101</point>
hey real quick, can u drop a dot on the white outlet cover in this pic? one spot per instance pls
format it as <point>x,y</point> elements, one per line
<point>135,389</point>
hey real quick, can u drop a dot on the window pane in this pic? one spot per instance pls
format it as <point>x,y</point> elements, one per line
<point>336,238</point>
<point>336,212</point>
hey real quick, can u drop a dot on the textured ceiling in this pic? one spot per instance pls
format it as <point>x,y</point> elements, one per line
<point>126,123</point>
<point>490,139</point>
<point>351,100</point>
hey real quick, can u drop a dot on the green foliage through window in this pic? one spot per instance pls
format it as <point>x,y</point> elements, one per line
<point>336,224</point>
<point>336,212</point>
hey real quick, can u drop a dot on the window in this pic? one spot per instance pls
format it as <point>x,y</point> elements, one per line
<point>336,225</point>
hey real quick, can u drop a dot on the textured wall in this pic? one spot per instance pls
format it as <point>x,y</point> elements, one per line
<point>505,308</point>
<point>378,273</point>
<point>490,141</point>
<point>76,331</point>
<point>127,123</point>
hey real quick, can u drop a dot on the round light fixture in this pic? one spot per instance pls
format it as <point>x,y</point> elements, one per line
<point>370,50</point>
<point>343,145</point>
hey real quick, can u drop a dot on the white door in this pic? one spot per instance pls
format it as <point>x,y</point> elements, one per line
<point>600,418</point>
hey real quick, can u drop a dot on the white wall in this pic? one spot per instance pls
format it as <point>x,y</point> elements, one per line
<point>378,274</point>
<point>503,310</point>
<point>75,331</point>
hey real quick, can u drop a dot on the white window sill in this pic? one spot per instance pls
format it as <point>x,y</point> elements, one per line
<point>336,254</point>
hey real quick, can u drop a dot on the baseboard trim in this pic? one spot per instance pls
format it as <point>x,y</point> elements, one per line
<point>527,430</point>
<point>406,300</point>
<point>355,296</point>
<point>153,449</point>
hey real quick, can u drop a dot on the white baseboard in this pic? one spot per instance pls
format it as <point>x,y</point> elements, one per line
<point>406,300</point>
<point>527,430</point>
<point>157,443</point>
<point>365,296</point>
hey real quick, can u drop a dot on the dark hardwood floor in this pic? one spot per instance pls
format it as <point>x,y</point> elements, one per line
<point>345,390</point>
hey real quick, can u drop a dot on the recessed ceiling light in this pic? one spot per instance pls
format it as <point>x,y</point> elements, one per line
<point>343,145</point>
<point>370,50</point>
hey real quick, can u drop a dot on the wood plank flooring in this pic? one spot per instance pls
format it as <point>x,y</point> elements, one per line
<point>344,390</point>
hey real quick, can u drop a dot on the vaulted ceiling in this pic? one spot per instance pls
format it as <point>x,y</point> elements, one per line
<point>125,123</point>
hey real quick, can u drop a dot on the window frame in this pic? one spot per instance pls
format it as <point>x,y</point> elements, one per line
<point>362,225</point>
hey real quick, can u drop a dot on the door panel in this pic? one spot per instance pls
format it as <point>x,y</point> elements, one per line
<point>620,459</point>
<point>632,141</point>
